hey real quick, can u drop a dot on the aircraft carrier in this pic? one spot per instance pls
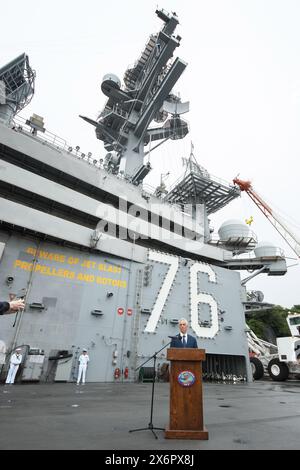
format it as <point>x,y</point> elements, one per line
<point>102,261</point>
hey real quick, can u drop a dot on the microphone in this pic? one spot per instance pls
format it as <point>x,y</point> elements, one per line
<point>173,337</point>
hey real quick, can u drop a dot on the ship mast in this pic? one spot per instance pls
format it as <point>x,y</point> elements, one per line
<point>123,125</point>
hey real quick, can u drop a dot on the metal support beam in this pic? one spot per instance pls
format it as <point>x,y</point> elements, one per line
<point>156,102</point>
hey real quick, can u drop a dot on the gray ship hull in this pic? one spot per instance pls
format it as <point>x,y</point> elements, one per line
<point>121,310</point>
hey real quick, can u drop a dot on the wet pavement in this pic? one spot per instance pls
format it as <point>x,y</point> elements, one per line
<point>258,415</point>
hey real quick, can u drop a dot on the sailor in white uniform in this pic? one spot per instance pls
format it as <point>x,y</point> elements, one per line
<point>83,362</point>
<point>15,361</point>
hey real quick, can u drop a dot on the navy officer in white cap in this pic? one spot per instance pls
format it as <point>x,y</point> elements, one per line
<point>15,361</point>
<point>83,362</point>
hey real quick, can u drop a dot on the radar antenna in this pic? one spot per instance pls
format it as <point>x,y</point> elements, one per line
<point>16,87</point>
<point>124,123</point>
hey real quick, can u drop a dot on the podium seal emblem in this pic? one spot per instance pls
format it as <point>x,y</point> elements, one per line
<point>186,378</point>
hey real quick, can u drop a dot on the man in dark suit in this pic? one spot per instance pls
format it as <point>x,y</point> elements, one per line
<point>183,340</point>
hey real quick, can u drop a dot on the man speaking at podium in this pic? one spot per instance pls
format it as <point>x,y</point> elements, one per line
<point>183,340</point>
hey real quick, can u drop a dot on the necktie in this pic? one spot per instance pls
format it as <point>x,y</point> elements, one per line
<point>184,341</point>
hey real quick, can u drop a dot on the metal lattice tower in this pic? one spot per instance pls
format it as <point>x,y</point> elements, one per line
<point>198,187</point>
<point>16,87</point>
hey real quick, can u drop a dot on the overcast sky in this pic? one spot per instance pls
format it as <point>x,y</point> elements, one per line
<point>242,81</point>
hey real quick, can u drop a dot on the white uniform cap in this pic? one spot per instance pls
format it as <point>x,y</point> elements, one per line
<point>19,349</point>
<point>83,349</point>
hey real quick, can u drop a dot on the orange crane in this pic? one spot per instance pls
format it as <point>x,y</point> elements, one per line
<point>280,225</point>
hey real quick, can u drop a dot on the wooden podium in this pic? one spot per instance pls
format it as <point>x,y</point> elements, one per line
<point>186,401</point>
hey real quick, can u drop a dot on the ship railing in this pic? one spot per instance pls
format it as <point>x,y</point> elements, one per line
<point>209,176</point>
<point>149,190</point>
<point>249,240</point>
<point>277,253</point>
<point>20,124</point>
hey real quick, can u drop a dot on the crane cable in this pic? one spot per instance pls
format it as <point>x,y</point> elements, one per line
<point>272,216</point>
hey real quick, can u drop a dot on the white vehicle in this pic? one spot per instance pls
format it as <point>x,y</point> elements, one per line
<point>281,360</point>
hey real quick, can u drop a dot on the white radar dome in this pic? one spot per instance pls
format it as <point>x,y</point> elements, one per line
<point>232,229</point>
<point>265,248</point>
<point>112,80</point>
